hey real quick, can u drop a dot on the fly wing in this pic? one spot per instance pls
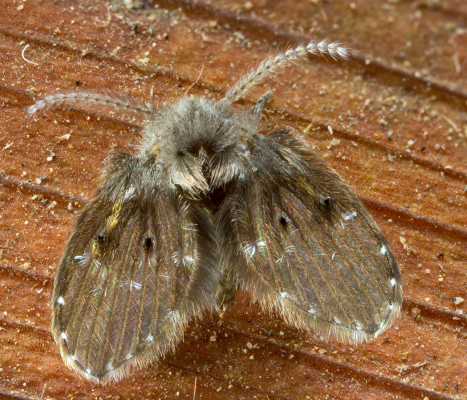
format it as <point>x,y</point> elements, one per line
<point>138,266</point>
<point>307,247</point>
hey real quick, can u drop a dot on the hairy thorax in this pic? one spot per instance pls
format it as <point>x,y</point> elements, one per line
<point>200,147</point>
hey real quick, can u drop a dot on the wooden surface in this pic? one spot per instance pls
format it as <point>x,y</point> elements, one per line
<point>397,111</point>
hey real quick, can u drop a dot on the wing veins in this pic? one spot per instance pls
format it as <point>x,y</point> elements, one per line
<point>81,281</point>
<point>365,288</point>
<point>121,270</point>
<point>317,267</point>
<point>280,241</point>
<point>146,263</point>
<point>108,331</point>
<point>123,326</point>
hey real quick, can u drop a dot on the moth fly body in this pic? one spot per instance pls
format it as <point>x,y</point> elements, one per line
<point>208,206</point>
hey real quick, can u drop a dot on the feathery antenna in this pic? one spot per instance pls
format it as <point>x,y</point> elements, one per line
<point>103,99</point>
<point>270,65</point>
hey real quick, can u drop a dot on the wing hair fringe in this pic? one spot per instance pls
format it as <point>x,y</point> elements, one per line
<point>168,338</point>
<point>327,329</point>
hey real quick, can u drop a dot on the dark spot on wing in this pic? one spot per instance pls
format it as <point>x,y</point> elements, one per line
<point>148,243</point>
<point>326,210</point>
<point>283,222</point>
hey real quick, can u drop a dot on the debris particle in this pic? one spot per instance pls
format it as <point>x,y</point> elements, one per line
<point>457,300</point>
<point>26,265</point>
<point>8,145</point>
<point>418,365</point>
<point>308,129</point>
<point>334,143</point>
<point>248,6</point>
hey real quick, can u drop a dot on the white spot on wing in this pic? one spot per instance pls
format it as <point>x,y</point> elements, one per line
<point>176,258</point>
<point>285,295</point>
<point>312,311</point>
<point>83,259</point>
<point>392,281</point>
<point>249,250</point>
<point>188,261</point>
<point>349,215</point>
<point>135,285</point>
<point>61,300</point>
<point>63,335</point>
<point>384,249</point>
<point>190,227</point>
<point>95,290</point>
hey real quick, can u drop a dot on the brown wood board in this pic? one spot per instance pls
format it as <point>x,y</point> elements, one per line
<point>406,81</point>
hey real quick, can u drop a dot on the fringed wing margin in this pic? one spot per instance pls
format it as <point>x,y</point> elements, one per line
<point>304,245</point>
<point>139,265</point>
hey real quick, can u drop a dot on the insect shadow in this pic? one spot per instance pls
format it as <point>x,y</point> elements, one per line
<point>209,206</point>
